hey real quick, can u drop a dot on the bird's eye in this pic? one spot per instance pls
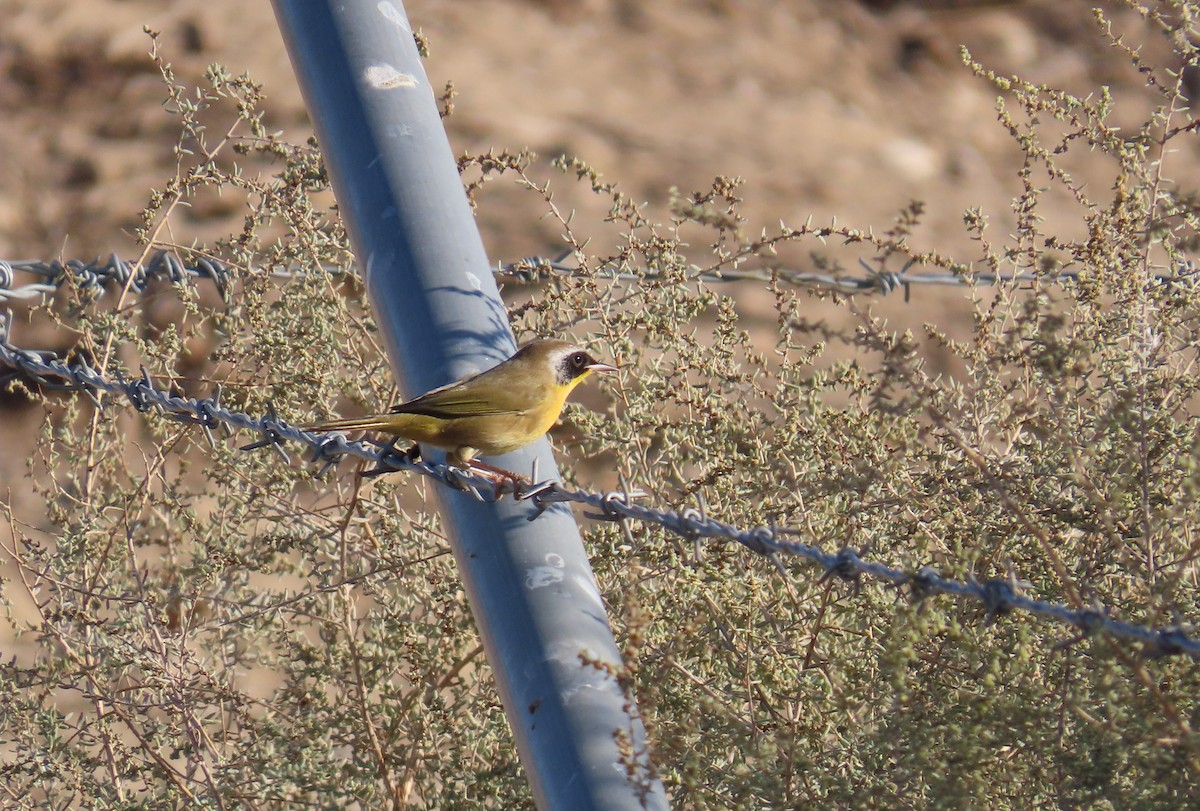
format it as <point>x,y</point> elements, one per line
<point>579,360</point>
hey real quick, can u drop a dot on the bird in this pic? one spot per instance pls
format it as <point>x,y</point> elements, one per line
<point>496,411</point>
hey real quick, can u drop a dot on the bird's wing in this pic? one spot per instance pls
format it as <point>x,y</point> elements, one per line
<point>464,400</point>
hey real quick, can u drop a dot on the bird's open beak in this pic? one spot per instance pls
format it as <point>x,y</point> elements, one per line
<point>600,367</point>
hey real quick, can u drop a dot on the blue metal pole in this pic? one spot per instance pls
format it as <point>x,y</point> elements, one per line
<point>530,584</point>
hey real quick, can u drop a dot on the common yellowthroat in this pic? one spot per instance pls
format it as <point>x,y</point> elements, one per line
<point>494,412</point>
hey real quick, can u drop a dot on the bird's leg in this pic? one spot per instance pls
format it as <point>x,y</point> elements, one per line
<point>465,457</point>
<point>497,473</point>
<point>498,476</point>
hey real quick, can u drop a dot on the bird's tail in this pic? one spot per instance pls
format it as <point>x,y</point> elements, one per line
<point>375,422</point>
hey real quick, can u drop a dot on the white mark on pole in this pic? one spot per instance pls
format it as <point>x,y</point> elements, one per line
<point>588,586</point>
<point>580,678</point>
<point>393,15</point>
<point>386,77</point>
<point>539,577</point>
<point>474,280</point>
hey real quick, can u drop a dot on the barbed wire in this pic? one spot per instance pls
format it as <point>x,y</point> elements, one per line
<point>97,275</point>
<point>997,596</point>
<point>875,279</point>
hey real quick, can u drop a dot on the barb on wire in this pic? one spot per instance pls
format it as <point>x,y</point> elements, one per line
<point>96,275</point>
<point>999,597</point>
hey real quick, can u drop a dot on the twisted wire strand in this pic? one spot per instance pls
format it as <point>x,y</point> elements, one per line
<point>875,279</point>
<point>997,596</point>
<point>96,275</point>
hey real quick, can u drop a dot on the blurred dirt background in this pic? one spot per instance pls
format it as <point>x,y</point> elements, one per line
<point>845,110</point>
<point>825,108</point>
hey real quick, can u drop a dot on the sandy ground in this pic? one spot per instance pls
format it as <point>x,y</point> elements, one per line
<point>826,109</point>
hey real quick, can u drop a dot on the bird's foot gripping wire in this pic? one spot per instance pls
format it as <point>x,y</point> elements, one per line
<point>504,481</point>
